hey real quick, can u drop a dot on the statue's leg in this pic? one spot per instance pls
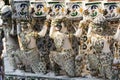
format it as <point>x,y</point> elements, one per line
<point>106,66</point>
<point>70,66</point>
<point>21,62</point>
<point>102,67</point>
<point>78,65</point>
<point>69,63</point>
<point>7,65</point>
<point>93,62</point>
<point>9,62</point>
<point>47,61</point>
<point>109,73</point>
<point>65,60</point>
<point>54,65</point>
<point>36,62</point>
<point>109,70</point>
<point>12,61</point>
<point>7,58</point>
<point>102,70</point>
<point>106,71</point>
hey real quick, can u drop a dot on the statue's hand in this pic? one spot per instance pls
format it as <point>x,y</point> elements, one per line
<point>48,17</point>
<point>47,23</point>
<point>33,34</point>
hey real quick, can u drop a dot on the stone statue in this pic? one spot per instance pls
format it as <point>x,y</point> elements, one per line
<point>27,42</point>
<point>63,57</point>
<point>101,34</point>
<point>9,42</point>
<point>45,44</point>
<point>81,60</point>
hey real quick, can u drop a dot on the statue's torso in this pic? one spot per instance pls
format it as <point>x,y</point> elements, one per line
<point>61,41</point>
<point>27,41</point>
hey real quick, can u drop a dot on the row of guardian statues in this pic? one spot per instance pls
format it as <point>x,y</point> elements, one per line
<point>72,46</point>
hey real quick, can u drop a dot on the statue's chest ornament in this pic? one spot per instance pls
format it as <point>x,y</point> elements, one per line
<point>25,39</point>
<point>59,41</point>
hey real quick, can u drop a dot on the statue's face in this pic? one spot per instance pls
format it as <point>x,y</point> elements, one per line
<point>58,26</point>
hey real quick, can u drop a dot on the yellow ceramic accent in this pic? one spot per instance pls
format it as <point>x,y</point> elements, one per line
<point>56,10</point>
<point>63,10</point>
<point>118,10</point>
<point>45,9</point>
<point>100,10</point>
<point>81,10</point>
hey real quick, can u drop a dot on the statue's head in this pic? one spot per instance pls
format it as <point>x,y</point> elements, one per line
<point>57,24</point>
<point>2,3</point>
<point>6,12</point>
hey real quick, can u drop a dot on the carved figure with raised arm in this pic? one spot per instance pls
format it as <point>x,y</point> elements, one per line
<point>63,57</point>
<point>10,42</point>
<point>27,42</point>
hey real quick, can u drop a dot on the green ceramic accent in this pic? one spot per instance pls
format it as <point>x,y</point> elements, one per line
<point>74,13</point>
<point>38,13</point>
<point>94,14</point>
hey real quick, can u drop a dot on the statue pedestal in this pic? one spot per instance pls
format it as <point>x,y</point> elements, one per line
<point>31,76</point>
